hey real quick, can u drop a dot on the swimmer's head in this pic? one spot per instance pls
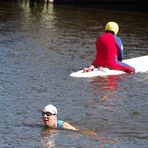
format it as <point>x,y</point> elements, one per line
<point>49,115</point>
<point>50,108</point>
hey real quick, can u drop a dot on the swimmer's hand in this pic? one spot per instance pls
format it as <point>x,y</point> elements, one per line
<point>88,132</point>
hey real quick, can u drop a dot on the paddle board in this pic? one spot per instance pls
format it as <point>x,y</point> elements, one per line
<point>139,63</point>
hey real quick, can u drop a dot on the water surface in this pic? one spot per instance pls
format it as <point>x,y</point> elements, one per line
<point>40,45</point>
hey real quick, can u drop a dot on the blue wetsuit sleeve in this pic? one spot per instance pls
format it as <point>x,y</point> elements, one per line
<point>59,124</point>
<point>120,48</point>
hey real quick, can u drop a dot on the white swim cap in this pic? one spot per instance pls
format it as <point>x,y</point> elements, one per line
<point>50,108</point>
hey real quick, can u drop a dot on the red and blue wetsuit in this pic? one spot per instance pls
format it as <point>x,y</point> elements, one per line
<point>109,53</point>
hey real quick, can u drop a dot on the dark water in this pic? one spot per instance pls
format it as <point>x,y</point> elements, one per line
<point>40,45</point>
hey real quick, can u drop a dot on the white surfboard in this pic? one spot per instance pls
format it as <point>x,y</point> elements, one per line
<point>139,63</point>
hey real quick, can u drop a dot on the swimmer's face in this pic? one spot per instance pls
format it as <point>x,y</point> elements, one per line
<point>49,119</point>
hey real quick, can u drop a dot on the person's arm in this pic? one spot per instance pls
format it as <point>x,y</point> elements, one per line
<point>120,48</point>
<point>66,125</point>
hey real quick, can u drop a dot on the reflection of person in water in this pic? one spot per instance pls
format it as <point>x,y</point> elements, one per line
<point>106,83</point>
<point>50,119</point>
<point>110,83</point>
<point>105,88</point>
<point>49,136</point>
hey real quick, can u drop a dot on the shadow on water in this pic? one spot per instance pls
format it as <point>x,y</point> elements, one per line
<point>139,6</point>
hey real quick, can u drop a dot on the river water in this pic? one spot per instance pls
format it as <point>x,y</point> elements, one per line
<point>40,45</point>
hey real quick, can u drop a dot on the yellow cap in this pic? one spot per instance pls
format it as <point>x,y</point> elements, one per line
<point>112,26</point>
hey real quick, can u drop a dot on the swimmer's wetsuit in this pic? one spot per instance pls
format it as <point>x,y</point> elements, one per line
<point>59,124</point>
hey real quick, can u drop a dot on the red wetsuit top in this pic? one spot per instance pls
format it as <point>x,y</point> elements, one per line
<point>109,53</point>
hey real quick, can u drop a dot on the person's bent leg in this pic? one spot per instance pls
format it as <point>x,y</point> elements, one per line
<point>124,67</point>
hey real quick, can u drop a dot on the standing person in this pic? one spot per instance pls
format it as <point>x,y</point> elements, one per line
<point>109,51</point>
<point>50,120</point>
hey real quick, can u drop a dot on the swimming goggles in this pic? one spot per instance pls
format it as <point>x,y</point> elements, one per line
<point>47,113</point>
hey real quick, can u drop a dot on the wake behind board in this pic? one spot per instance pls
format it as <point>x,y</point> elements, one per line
<point>139,63</point>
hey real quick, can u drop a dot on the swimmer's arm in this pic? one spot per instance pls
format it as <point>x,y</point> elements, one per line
<point>66,125</point>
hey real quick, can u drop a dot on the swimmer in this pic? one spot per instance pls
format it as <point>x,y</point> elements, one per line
<point>50,119</point>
